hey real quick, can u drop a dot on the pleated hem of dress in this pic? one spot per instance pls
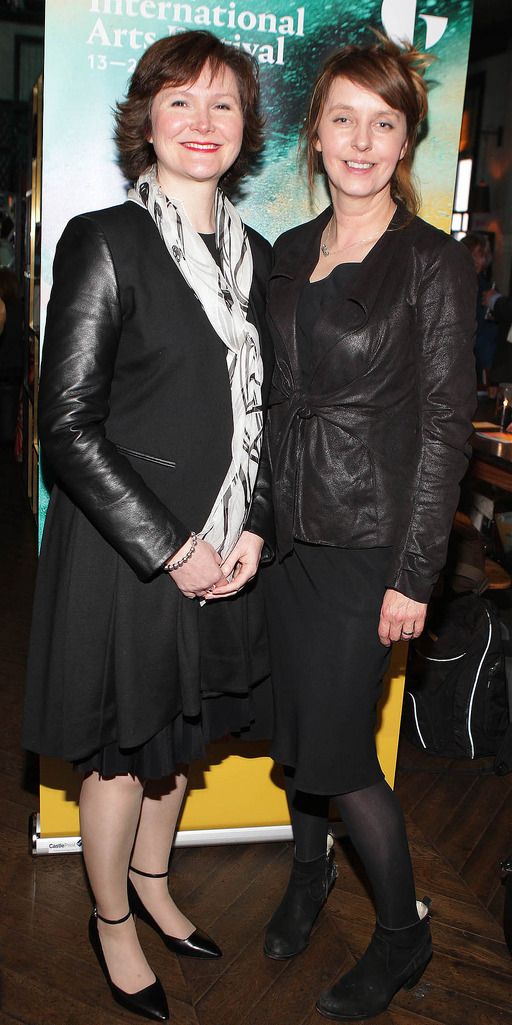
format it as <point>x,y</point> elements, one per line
<point>185,739</point>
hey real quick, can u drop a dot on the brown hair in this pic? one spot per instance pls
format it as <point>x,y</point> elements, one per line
<point>394,73</point>
<point>177,60</point>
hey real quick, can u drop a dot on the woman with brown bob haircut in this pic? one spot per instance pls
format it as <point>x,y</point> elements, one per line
<point>148,635</point>
<point>367,432</point>
<point>179,64</point>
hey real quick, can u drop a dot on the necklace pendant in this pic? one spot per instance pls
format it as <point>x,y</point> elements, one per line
<point>324,250</point>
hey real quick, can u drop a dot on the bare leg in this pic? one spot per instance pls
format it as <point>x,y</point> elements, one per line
<point>109,813</point>
<point>155,834</point>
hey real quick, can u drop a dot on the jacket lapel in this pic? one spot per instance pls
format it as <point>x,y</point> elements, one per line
<point>356,308</point>
<point>373,270</point>
<point>295,257</point>
<point>256,314</point>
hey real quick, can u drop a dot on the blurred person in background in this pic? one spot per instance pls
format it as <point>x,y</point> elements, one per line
<point>498,307</point>
<point>486,329</point>
<point>11,353</point>
<point>6,242</point>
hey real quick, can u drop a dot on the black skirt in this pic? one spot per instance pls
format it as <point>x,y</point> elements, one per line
<point>129,676</point>
<point>323,608</point>
<point>184,740</point>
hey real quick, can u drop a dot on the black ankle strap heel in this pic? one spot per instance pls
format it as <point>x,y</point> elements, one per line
<point>148,875</point>
<point>111,921</point>
<point>149,1002</point>
<point>198,944</point>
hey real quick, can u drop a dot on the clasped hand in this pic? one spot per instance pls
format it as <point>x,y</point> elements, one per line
<point>206,576</point>
<point>401,618</point>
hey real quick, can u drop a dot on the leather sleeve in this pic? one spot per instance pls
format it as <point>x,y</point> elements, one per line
<point>260,519</point>
<point>261,514</point>
<point>445,327</point>
<point>83,329</point>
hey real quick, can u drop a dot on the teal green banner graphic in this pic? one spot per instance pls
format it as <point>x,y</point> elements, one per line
<point>92,46</point>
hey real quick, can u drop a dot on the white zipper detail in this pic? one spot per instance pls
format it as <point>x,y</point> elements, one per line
<point>428,658</point>
<point>413,699</point>
<point>470,709</point>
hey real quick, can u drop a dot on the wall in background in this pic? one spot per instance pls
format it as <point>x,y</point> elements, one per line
<point>494,165</point>
<point>30,59</point>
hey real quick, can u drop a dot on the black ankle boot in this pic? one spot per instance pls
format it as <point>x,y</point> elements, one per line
<point>290,927</point>
<point>395,958</point>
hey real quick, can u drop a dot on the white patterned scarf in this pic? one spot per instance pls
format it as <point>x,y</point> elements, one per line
<point>224,295</point>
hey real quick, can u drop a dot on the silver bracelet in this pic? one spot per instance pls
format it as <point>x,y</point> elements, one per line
<point>170,567</point>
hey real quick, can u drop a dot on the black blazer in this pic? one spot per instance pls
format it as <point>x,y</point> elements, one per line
<point>122,366</point>
<point>376,461</point>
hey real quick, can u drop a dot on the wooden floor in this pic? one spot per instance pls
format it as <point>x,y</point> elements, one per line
<point>460,822</point>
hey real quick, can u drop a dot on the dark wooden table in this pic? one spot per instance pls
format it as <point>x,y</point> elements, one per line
<point>492,461</point>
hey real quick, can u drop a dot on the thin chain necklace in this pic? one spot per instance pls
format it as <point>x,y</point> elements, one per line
<point>324,248</point>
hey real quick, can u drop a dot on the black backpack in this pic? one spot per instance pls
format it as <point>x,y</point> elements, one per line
<point>455,701</point>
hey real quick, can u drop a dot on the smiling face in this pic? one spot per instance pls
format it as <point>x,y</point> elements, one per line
<point>196,130</point>
<point>361,140</point>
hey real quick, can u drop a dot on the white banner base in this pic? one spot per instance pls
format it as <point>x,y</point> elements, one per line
<point>50,844</point>
<point>184,838</point>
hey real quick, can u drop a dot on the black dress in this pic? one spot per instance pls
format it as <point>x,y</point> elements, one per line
<point>323,606</point>
<point>147,654</point>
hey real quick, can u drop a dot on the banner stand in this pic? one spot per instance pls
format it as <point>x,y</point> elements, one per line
<point>93,46</point>
<point>184,838</point>
<point>216,809</point>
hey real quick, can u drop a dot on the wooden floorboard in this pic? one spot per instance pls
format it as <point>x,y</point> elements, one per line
<point>459,816</point>
<point>480,868</point>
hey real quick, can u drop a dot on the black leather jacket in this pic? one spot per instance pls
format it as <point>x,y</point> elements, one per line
<point>370,452</point>
<point>118,428</point>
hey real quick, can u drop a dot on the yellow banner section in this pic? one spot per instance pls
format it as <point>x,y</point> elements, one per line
<point>237,786</point>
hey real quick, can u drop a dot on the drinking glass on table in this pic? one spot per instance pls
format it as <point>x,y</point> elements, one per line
<point>504,405</point>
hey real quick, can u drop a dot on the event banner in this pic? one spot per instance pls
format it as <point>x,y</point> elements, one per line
<point>91,49</point>
<point>92,46</point>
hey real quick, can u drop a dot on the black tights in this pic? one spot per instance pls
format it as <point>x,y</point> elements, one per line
<point>376,827</point>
